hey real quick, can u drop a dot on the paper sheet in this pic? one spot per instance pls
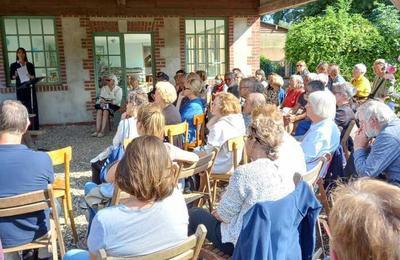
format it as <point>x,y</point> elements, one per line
<point>23,74</point>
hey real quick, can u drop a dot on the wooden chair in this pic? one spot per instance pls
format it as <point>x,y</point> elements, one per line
<point>179,129</point>
<point>234,146</point>
<point>346,137</point>
<point>32,202</point>
<point>199,123</point>
<point>189,249</point>
<point>62,188</point>
<point>204,165</point>
<point>126,142</point>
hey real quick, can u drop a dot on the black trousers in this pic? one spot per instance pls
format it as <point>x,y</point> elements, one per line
<point>199,216</point>
<point>28,98</point>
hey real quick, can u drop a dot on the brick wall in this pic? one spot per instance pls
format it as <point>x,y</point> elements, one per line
<point>2,68</point>
<point>254,43</point>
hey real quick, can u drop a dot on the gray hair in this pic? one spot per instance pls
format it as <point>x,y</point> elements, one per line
<point>361,67</point>
<point>298,79</point>
<point>378,110</point>
<point>257,99</point>
<point>253,85</point>
<point>323,104</point>
<point>311,76</point>
<point>345,88</point>
<point>13,117</point>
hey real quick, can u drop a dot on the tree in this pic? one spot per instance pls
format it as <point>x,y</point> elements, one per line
<point>338,37</point>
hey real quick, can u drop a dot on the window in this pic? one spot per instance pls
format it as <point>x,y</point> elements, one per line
<point>205,45</point>
<point>38,37</point>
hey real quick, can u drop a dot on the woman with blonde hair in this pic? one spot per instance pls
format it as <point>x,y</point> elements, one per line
<point>274,93</point>
<point>365,221</point>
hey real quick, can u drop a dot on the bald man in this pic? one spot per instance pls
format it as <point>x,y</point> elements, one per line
<point>253,100</point>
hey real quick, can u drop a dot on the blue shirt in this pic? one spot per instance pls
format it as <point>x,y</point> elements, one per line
<point>322,137</point>
<point>338,79</point>
<point>383,155</point>
<point>23,170</point>
<point>188,111</point>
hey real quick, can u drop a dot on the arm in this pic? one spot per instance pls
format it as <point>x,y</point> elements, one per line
<point>118,97</point>
<point>97,238</point>
<point>13,71</point>
<point>110,177</point>
<point>178,154</point>
<point>31,70</point>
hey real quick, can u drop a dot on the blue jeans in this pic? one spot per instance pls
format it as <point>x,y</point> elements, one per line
<point>92,212</point>
<point>77,254</point>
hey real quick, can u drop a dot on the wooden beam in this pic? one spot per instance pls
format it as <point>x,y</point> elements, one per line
<point>396,3</point>
<point>277,5</point>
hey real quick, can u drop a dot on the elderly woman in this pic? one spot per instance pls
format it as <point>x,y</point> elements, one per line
<point>274,93</point>
<point>367,209</point>
<point>264,178</point>
<point>344,93</point>
<point>260,76</point>
<point>294,91</point>
<point>301,68</point>
<point>360,82</point>
<point>227,122</point>
<point>109,102</point>
<point>323,135</point>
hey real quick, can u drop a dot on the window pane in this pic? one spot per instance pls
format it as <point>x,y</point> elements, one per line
<point>10,26</point>
<point>199,26</point>
<point>12,43</point>
<point>48,26</point>
<point>25,42</point>
<point>221,55</point>
<point>211,56</point>
<point>190,56</point>
<point>189,24</point>
<point>210,26</point>
<point>23,26</point>
<point>40,72</point>
<point>37,42</point>
<point>201,56</point>
<point>222,68</point>
<point>115,61</point>
<point>113,45</point>
<point>36,26</point>
<point>211,41</point>
<point>11,57</point>
<point>51,59</point>
<point>201,67</point>
<point>200,41</point>
<point>190,41</point>
<point>29,56</point>
<point>39,59</point>
<point>49,43</point>
<point>220,26</point>
<point>101,45</point>
<point>52,75</point>
<point>221,40</point>
<point>212,71</point>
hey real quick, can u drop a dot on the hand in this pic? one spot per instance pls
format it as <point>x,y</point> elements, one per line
<point>361,140</point>
<point>292,118</point>
<point>216,215</point>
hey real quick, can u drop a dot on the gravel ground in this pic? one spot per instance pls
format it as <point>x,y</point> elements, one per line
<point>84,148</point>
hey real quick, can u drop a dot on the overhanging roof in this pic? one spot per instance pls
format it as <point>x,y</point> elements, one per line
<point>271,6</point>
<point>396,3</point>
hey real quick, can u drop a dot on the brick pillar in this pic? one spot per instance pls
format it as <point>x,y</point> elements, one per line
<point>254,42</point>
<point>2,68</point>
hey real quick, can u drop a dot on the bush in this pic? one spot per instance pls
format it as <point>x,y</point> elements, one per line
<point>269,66</point>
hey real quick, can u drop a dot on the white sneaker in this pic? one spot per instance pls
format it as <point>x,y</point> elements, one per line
<point>94,134</point>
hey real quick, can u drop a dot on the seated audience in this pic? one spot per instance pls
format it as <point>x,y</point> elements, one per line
<point>252,101</point>
<point>22,171</point>
<point>218,87</point>
<point>376,145</point>
<point>274,93</point>
<point>323,135</point>
<point>250,85</point>
<point>293,92</point>
<point>322,68</point>
<point>301,69</point>
<point>365,221</point>
<point>238,76</point>
<point>108,103</point>
<point>180,79</point>
<point>264,178</point>
<point>232,85</point>
<point>360,82</point>
<point>334,76</point>
<point>383,84</point>
<point>344,93</point>
<point>155,217</point>
<point>227,122</point>
<point>260,76</point>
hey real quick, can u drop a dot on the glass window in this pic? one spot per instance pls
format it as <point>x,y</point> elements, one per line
<point>37,36</point>
<point>205,44</point>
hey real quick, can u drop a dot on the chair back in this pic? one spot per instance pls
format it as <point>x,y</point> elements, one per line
<point>62,156</point>
<point>31,202</point>
<point>312,176</point>
<point>204,164</point>
<point>345,138</point>
<point>178,129</point>
<point>188,249</point>
<point>234,146</point>
<point>199,122</point>
<point>126,142</point>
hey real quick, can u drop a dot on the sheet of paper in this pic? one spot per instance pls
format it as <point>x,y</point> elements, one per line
<point>23,74</point>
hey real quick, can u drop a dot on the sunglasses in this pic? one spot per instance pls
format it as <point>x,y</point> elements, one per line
<point>299,65</point>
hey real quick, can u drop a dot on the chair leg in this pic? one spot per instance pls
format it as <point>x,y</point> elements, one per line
<point>65,209</point>
<point>323,197</point>
<point>53,241</point>
<point>214,192</point>
<point>71,217</point>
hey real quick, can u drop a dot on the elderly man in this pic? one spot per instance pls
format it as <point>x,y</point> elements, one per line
<point>22,170</point>
<point>230,80</point>
<point>250,85</point>
<point>383,85</point>
<point>323,135</point>
<point>252,101</point>
<point>344,92</point>
<point>381,156</point>
<point>334,76</point>
<point>360,82</point>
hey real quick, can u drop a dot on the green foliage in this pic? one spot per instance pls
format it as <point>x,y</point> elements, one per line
<point>337,37</point>
<point>269,66</point>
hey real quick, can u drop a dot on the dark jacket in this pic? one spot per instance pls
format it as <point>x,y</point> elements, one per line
<point>282,229</point>
<point>13,68</point>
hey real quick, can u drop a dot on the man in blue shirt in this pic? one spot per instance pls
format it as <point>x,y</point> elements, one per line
<point>382,155</point>
<point>334,76</point>
<point>22,170</point>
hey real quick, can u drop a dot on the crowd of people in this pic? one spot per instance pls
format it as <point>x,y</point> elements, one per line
<point>288,128</point>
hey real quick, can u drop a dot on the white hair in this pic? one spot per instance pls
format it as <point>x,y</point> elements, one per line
<point>378,110</point>
<point>345,88</point>
<point>323,104</point>
<point>311,76</point>
<point>361,67</point>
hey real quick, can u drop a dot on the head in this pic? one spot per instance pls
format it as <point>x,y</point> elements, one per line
<point>230,79</point>
<point>296,81</point>
<point>365,221</point>
<point>379,67</point>
<point>20,55</point>
<point>314,85</point>
<point>252,101</point>
<point>333,71</point>
<point>150,121</point>
<point>225,104</point>
<point>14,120</point>
<point>219,79</point>
<point>310,77</point>
<point>373,116</point>
<point>265,133</point>
<point>111,80</point>
<point>359,70</point>
<point>193,88</point>
<point>180,78</point>
<point>275,81</point>
<point>301,66</point>
<point>324,78</point>
<point>260,75</point>
<point>147,182</point>
<point>136,99</point>
<point>236,70</point>
<point>343,92</point>
<point>133,83</point>
<point>165,93</point>
<point>322,68</point>
<point>321,105</point>
<point>239,76</point>
<point>202,74</point>
<point>247,86</point>
<point>161,76</point>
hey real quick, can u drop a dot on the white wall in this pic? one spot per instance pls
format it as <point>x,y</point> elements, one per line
<point>171,51</point>
<point>241,34</point>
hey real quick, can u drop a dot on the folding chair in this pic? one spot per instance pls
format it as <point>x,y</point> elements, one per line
<point>346,137</point>
<point>189,249</point>
<point>32,202</point>
<point>199,123</point>
<point>62,188</point>
<point>178,129</point>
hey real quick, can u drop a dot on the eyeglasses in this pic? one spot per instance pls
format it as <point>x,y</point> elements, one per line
<point>187,88</point>
<point>299,65</point>
<point>107,80</point>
